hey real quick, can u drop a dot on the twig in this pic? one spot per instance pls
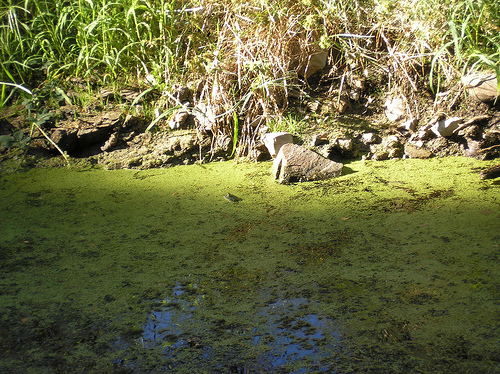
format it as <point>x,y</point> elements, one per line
<point>488,149</point>
<point>54,144</point>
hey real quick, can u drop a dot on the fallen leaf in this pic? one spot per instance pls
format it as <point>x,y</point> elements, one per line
<point>345,218</point>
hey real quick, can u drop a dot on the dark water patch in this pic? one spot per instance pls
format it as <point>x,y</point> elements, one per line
<point>414,201</point>
<point>49,341</point>
<point>289,335</point>
<point>310,254</point>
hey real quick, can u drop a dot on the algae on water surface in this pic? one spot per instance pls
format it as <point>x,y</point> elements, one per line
<point>392,267</point>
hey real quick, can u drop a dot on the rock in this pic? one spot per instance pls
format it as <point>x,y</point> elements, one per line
<point>446,127</point>
<point>88,134</point>
<point>380,155</point>
<point>275,140</point>
<point>260,153</point>
<point>65,138</point>
<point>409,125</point>
<point>340,148</point>
<point>390,147</point>
<point>369,138</point>
<point>345,145</point>
<point>319,139</point>
<point>417,150</point>
<point>482,86</point>
<point>110,143</point>
<point>315,63</point>
<point>296,163</point>
<point>441,147</point>
<point>491,172</point>
<point>180,143</point>
<point>395,109</point>
<point>425,132</point>
<point>179,119</point>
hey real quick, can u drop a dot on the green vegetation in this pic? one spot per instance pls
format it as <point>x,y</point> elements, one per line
<point>244,57</point>
<point>133,271</point>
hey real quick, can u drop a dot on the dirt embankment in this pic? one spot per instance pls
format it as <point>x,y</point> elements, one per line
<point>356,124</point>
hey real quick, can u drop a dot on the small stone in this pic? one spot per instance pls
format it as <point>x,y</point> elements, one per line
<point>319,139</point>
<point>316,62</point>
<point>446,127</point>
<point>416,150</point>
<point>369,138</point>
<point>342,104</point>
<point>275,140</point>
<point>390,141</point>
<point>482,86</point>
<point>380,156</point>
<point>395,109</point>
<point>344,144</point>
<point>390,147</point>
<point>409,125</point>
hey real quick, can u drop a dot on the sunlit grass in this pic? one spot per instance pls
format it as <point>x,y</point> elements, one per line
<point>245,57</point>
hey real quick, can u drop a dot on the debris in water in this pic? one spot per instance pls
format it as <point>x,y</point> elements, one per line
<point>232,198</point>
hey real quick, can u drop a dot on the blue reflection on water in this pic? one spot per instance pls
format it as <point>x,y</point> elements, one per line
<point>295,338</point>
<point>283,330</point>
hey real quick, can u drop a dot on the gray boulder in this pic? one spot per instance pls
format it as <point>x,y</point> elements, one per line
<point>275,140</point>
<point>296,163</point>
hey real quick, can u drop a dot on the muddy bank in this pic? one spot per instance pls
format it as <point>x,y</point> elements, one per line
<point>390,267</point>
<point>116,134</point>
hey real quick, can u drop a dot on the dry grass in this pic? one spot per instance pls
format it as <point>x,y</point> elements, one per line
<point>245,60</point>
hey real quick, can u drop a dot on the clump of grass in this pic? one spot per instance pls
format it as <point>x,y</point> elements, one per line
<point>291,122</point>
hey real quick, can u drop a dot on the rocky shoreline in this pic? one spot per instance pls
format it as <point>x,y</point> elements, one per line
<point>116,136</point>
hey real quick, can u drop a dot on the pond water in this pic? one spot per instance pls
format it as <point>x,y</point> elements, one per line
<point>391,268</point>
